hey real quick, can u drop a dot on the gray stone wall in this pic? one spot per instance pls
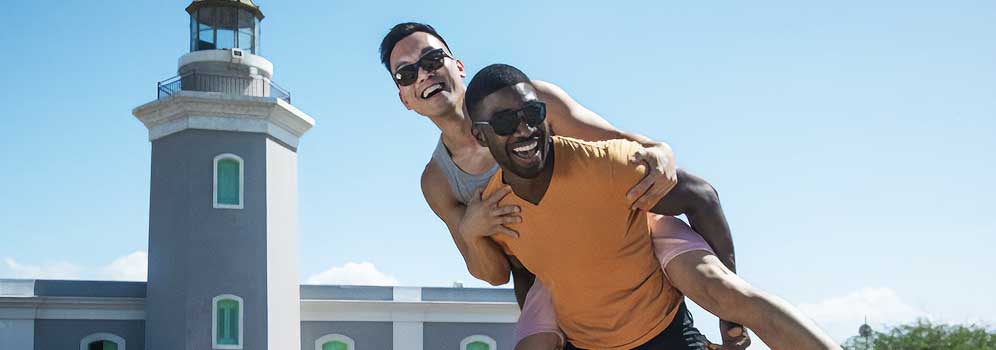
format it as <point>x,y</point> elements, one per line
<point>197,252</point>
<point>447,335</point>
<point>367,335</point>
<point>67,334</point>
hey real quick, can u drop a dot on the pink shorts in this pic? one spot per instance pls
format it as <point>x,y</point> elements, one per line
<point>671,237</point>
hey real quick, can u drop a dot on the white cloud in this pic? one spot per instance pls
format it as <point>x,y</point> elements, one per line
<point>131,267</point>
<point>352,273</point>
<point>841,316</point>
<point>56,270</point>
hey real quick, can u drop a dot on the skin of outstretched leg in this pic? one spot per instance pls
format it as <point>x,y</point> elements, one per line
<point>703,278</point>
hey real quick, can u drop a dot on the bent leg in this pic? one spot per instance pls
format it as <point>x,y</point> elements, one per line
<point>672,237</point>
<point>699,201</point>
<point>537,326</point>
<point>703,278</point>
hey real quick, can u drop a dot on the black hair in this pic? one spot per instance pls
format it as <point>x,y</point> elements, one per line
<point>490,79</point>
<point>401,31</point>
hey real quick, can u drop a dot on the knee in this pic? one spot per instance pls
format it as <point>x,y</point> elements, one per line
<point>729,296</point>
<point>539,341</point>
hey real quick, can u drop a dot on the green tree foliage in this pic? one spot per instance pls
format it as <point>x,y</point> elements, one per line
<point>923,335</point>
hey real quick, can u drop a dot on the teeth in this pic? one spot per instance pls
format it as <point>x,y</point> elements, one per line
<point>429,90</point>
<point>527,147</point>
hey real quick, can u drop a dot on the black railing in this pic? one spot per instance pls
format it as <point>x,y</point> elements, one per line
<point>233,85</point>
<point>279,92</point>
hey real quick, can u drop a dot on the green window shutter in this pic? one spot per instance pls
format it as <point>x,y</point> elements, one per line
<point>228,181</point>
<point>228,322</point>
<point>477,345</point>
<point>234,315</point>
<point>220,327</point>
<point>335,345</point>
<point>109,345</point>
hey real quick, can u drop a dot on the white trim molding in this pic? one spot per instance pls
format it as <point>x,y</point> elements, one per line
<point>217,111</point>
<point>393,311</point>
<point>242,182</point>
<point>85,342</point>
<point>350,344</point>
<point>492,344</point>
<point>71,308</point>
<point>214,321</point>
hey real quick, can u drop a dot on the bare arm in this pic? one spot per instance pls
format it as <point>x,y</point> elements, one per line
<point>699,201</point>
<point>484,258</point>
<point>567,117</point>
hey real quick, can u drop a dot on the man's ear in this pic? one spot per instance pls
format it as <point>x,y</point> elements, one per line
<point>479,136</point>
<point>403,101</point>
<point>463,72</point>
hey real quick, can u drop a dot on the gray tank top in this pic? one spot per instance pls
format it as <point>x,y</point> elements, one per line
<point>462,183</point>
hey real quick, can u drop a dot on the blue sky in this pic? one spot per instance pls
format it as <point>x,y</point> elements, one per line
<point>850,142</point>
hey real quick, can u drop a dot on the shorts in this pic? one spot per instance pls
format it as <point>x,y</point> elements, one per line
<point>681,334</point>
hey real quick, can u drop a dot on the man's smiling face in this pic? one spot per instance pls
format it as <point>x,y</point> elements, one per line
<point>525,151</point>
<point>433,93</point>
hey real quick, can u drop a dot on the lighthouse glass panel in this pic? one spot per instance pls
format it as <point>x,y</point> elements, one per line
<point>227,17</point>
<point>246,27</point>
<point>224,27</point>
<point>193,32</point>
<point>335,345</point>
<point>228,322</point>
<point>205,29</point>
<point>228,182</point>
<point>103,345</point>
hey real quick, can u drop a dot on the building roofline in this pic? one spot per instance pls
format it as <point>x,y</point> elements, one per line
<point>40,288</point>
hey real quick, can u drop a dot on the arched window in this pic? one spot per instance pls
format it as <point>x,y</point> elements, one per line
<point>226,321</point>
<point>335,342</point>
<point>478,342</point>
<point>229,181</point>
<point>102,341</point>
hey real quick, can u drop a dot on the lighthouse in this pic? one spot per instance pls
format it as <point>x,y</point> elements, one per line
<point>223,238</point>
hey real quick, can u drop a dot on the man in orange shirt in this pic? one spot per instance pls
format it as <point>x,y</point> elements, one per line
<point>581,238</point>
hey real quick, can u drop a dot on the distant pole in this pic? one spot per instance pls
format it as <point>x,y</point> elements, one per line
<point>865,331</point>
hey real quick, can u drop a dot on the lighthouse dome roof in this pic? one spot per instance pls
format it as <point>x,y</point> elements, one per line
<point>246,4</point>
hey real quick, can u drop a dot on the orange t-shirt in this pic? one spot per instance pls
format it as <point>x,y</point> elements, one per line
<point>590,250</point>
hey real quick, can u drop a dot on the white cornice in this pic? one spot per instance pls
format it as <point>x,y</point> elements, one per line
<point>393,311</point>
<point>218,111</point>
<point>78,308</point>
<point>72,308</point>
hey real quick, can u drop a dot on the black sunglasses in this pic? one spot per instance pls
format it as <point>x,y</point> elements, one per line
<point>506,122</point>
<point>430,61</point>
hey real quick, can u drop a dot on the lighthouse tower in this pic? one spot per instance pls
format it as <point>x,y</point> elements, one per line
<point>223,200</point>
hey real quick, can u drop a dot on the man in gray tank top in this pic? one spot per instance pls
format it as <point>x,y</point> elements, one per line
<point>430,82</point>
<point>462,183</point>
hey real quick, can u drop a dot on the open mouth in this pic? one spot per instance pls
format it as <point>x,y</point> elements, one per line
<point>432,90</point>
<point>525,150</point>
